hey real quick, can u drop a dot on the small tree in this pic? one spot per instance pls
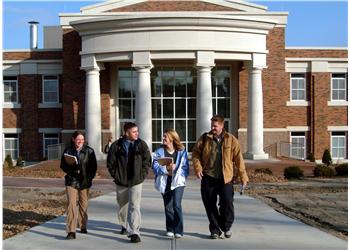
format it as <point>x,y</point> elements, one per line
<point>19,162</point>
<point>327,158</point>
<point>8,161</point>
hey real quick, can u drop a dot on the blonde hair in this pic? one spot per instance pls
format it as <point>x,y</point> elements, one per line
<point>174,136</point>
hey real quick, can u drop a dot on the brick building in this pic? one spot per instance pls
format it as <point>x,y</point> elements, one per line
<point>175,64</point>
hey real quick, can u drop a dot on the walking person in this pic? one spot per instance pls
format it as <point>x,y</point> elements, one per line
<point>128,162</point>
<point>79,163</point>
<point>215,157</point>
<point>170,179</point>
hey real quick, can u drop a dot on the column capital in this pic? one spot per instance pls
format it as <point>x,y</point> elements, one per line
<point>142,67</point>
<point>205,59</point>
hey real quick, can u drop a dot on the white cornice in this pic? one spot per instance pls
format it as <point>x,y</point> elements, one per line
<point>32,61</point>
<point>31,50</point>
<point>300,59</point>
<point>318,48</point>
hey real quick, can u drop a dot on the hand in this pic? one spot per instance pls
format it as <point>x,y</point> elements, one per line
<point>199,175</point>
<point>244,183</point>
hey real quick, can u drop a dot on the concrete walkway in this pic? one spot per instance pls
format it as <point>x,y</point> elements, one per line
<point>257,226</point>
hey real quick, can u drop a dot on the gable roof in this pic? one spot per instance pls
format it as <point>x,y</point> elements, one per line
<point>169,5</point>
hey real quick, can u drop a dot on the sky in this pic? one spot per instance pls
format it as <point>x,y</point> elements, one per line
<point>316,23</point>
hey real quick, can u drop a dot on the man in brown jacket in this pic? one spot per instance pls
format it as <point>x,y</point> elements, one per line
<point>215,157</point>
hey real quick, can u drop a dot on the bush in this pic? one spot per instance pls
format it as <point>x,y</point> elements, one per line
<point>311,157</point>
<point>293,172</point>
<point>324,171</point>
<point>342,169</point>
<point>8,162</point>
<point>263,171</point>
<point>326,157</point>
<point>19,162</point>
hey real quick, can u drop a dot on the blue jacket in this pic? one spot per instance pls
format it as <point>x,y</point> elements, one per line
<point>161,174</point>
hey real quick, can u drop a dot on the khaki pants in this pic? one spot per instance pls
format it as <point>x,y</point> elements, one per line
<point>76,217</point>
<point>129,214</point>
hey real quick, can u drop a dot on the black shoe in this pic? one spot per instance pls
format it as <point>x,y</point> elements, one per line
<point>214,236</point>
<point>83,231</point>
<point>70,236</point>
<point>135,238</point>
<point>123,231</point>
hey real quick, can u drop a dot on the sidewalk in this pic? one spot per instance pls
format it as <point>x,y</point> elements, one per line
<point>257,226</point>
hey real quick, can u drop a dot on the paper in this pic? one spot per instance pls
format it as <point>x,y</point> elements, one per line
<point>165,160</point>
<point>71,159</point>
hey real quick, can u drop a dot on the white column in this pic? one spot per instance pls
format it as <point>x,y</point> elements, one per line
<point>143,111</point>
<point>204,107</point>
<point>93,110</point>
<point>255,116</point>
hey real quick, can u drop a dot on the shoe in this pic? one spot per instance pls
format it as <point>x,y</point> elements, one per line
<point>170,234</point>
<point>214,236</point>
<point>228,234</point>
<point>70,236</point>
<point>83,231</point>
<point>123,231</point>
<point>135,238</point>
<point>178,236</point>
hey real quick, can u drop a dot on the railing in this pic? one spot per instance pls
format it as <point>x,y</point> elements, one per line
<point>55,151</point>
<point>292,150</point>
<point>271,150</point>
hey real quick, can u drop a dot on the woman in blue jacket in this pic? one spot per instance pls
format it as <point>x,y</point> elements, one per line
<point>170,179</point>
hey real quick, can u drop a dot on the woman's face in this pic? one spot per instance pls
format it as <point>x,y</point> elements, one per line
<point>79,141</point>
<point>167,140</point>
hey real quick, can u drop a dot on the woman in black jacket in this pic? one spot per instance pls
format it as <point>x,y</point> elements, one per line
<point>79,163</point>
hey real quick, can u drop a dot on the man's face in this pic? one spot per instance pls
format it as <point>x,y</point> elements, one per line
<point>217,127</point>
<point>132,134</point>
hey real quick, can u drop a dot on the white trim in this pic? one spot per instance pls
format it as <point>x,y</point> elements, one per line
<point>331,59</point>
<point>337,103</point>
<point>266,130</point>
<point>31,50</point>
<point>49,130</point>
<point>49,105</point>
<point>337,128</point>
<point>298,128</point>
<point>298,103</point>
<point>11,130</point>
<point>317,48</point>
<point>32,61</point>
<point>12,105</point>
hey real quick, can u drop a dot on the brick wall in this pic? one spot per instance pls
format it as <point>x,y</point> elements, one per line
<point>32,55</point>
<point>309,53</point>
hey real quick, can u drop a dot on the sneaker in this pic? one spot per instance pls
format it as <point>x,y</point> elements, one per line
<point>178,236</point>
<point>70,236</point>
<point>135,238</point>
<point>170,234</point>
<point>228,234</point>
<point>83,230</point>
<point>123,231</point>
<point>214,236</point>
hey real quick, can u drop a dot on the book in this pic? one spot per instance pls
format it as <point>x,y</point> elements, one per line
<point>165,160</point>
<point>71,159</point>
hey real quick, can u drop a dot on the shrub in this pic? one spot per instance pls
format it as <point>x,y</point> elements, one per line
<point>326,157</point>
<point>342,169</point>
<point>323,171</point>
<point>19,162</point>
<point>263,171</point>
<point>293,172</point>
<point>311,157</point>
<point>8,162</point>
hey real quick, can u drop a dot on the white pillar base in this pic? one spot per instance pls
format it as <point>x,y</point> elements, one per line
<point>251,156</point>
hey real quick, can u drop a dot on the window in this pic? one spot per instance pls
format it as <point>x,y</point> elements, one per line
<point>10,89</point>
<point>338,144</point>
<point>50,89</point>
<point>298,88</point>
<point>50,139</point>
<point>11,145</point>
<point>339,87</point>
<point>297,147</point>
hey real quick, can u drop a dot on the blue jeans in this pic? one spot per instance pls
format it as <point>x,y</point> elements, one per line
<point>173,209</point>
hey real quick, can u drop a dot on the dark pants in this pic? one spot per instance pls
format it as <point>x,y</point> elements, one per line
<point>220,219</point>
<point>173,209</point>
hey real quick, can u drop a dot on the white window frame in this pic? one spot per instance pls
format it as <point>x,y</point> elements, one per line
<point>291,86</point>
<point>16,81</point>
<point>345,145</point>
<point>4,143</point>
<point>298,147</point>
<point>44,141</point>
<point>43,89</point>
<point>345,89</point>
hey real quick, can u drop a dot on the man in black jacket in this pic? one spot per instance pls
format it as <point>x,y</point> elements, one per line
<point>128,162</point>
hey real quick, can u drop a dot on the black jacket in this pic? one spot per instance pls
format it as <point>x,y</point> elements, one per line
<point>137,168</point>
<point>80,176</point>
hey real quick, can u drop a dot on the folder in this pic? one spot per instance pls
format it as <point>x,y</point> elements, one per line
<point>71,159</point>
<point>165,160</point>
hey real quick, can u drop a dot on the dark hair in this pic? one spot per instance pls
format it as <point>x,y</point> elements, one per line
<point>218,118</point>
<point>129,125</point>
<point>75,135</point>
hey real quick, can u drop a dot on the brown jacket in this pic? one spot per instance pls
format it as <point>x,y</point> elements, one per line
<point>232,158</point>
